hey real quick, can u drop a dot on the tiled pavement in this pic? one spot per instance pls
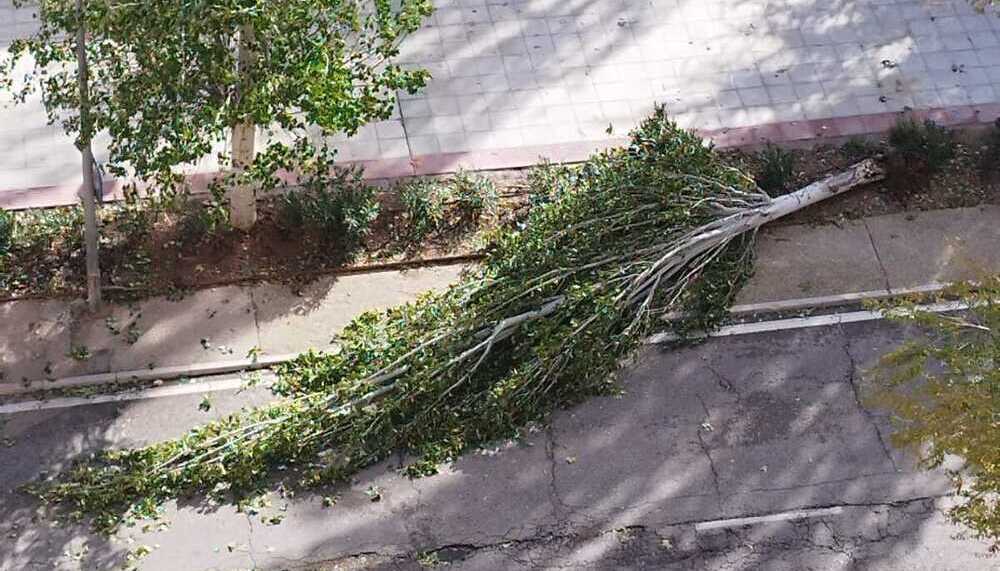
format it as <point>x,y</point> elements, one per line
<point>535,74</point>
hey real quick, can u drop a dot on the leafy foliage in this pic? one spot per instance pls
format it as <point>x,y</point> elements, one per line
<point>777,168</point>
<point>474,195</point>
<point>435,205</point>
<point>166,85</point>
<point>925,147</point>
<point>335,204</point>
<point>544,322</point>
<point>200,221</point>
<point>857,148</point>
<point>6,230</point>
<point>423,207</point>
<point>944,391</point>
<point>989,158</point>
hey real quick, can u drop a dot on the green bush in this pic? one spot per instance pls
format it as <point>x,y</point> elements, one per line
<point>436,205</point>
<point>199,221</point>
<point>39,230</point>
<point>7,222</point>
<point>989,157</point>
<point>474,195</point>
<point>920,147</point>
<point>857,148</point>
<point>336,205</point>
<point>424,207</point>
<point>547,181</point>
<point>776,168</point>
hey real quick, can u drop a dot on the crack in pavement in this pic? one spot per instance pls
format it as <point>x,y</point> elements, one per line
<point>708,455</point>
<point>250,548</point>
<point>852,380</point>
<point>559,509</point>
<point>726,384</point>
<point>878,257</point>
<point>784,534</point>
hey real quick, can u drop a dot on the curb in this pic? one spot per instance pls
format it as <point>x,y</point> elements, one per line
<point>235,366</point>
<point>155,374</point>
<point>788,132</point>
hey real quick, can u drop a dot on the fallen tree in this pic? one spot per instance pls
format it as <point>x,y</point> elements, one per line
<point>660,225</point>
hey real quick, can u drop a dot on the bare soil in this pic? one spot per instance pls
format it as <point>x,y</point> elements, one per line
<point>165,261</point>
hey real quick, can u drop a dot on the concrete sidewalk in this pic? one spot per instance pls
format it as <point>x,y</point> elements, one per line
<point>517,79</point>
<point>224,324</point>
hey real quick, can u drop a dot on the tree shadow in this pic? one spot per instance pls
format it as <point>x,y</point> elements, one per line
<point>733,427</point>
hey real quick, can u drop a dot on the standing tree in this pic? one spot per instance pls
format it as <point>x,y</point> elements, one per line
<point>944,391</point>
<point>84,142</point>
<point>170,80</point>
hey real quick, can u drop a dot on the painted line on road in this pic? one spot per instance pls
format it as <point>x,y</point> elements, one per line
<point>803,322</point>
<point>237,382</point>
<point>200,387</point>
<point>772,518</point>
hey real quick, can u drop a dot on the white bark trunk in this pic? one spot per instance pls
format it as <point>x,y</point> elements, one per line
<point>703,240</point>
<point>865,172</point>
<point>242,196</point>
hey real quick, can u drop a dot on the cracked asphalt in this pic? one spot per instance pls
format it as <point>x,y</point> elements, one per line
<point>731,428</point>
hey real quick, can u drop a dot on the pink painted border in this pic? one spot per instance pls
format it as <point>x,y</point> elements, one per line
<point>442,163</point>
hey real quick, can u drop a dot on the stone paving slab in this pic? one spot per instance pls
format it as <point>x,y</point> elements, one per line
<point>789,266</point>
<point>35,341</point>
<point>942,246</point>
<point>292,321</point>
<point>214,324</point>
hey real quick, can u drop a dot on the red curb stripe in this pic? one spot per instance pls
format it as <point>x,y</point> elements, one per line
<point>518,157</point>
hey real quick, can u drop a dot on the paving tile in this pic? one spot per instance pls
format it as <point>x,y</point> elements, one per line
<point>722,64</point>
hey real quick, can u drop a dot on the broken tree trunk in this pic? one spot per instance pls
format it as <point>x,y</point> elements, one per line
<point>559,302</point>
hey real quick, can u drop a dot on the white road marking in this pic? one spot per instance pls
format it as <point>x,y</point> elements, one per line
<point>804,322</point>
<point>233,383</point>
<point>173,390</point>
<point>778,517</point>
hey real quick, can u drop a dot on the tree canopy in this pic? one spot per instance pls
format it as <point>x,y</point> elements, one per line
<point>167,81</point>
<point>943,388</point>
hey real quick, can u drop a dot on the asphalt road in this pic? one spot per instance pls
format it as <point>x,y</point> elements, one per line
<point>767,426</point>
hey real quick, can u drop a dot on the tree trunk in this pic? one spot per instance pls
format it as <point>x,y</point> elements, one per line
<point>87,159</point>
<point>242,197</point>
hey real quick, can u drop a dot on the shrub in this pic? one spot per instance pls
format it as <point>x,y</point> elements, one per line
<point>200,221</point>
<point>989,157</point>
<point>437,205</point>
<point>547,181</point>
<point>7,222</point>
<point>776,168</point>
<point>42,229</point>
<point>474,195</point>
<point>923,147</point>
<point>423,207</point>
<point>336,205</point>
<point>857,148</point>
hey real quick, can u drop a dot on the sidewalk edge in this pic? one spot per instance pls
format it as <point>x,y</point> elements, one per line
<point>235,366</point>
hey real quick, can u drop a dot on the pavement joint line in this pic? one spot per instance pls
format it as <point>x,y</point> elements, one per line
<point>226,367</point>
<point>802,322</point>
<point>771,518</point>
